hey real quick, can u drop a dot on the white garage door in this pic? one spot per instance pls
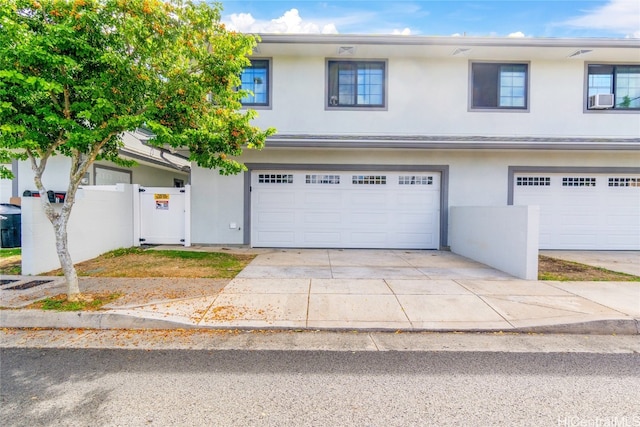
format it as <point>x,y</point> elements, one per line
<point>583,211</point>
<point>345,209</point>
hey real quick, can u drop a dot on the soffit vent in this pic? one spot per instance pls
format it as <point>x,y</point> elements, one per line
<point>346,50</point>
<point>461,51</point>
<point>580,52</point>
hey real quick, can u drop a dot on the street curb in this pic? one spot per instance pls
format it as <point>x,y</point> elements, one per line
<point>593,327</point>
<point>83,320</point>
<point>110,320</point>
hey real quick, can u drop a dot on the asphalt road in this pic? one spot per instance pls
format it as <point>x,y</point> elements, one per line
<point>101,387</point>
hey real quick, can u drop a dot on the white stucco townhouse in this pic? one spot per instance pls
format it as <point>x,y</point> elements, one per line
<point>155,168</point>
<point>379,136</point>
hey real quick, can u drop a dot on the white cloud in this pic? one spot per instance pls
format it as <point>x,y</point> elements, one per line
<point>517,34</point>
<point>290,22</point>
<point>404,32</point>
<point>619,16</point>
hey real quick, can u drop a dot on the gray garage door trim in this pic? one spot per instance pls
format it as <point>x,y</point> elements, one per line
<point>442,169</point>
<point>597,225</point>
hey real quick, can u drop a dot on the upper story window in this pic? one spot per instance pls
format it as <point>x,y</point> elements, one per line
<point>613,87</point>
<point>255,79</point>
<point>499,85</point>
<point>359,84</point>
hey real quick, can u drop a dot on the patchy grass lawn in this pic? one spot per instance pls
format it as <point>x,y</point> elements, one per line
<point>10,260</point>
<point>561,270</point>
<point>60,303</point>
<point>139,262</point>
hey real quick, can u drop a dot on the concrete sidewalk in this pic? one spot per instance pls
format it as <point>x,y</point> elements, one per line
<point>372,290</point>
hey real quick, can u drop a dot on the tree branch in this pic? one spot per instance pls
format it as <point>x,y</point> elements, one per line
<point>67,103</point>
<point>55,101</point>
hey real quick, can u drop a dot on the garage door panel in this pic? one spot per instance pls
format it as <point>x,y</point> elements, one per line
<point>285,238</point>
<point>624,240</point>
<point>322,199</point>
<point>365,219</point>
<point>335,210</point>
<point>416,220</point>
<point>579,220</point>
<point>321,238</point>
<point>410,201</point>
<point>372,199</point>
<point>621,219</point>
<point>276,198</point>
<point>409,239</point>
<point>278,217</point>
<point>578,240</point>
<point>583,211</point>
<point>322,218</point>
<point>369,239</point>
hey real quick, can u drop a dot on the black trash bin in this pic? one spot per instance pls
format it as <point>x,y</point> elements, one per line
<point>10,226</point>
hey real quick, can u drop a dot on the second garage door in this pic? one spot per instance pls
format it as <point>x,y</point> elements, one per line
<point>583,211</point>
<point>305,209</point>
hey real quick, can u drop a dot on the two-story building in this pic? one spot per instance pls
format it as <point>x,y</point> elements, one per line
<point>378,136</point>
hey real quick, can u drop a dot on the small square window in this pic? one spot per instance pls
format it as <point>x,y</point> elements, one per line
<point>499,86</point>
<point>415,180</point>
<point>624,182</point>
<point>323,179</point>
<point>369,179</point>
<point>275,178</point>
<point>360,84</point>
<point>578,182</point>
<point>256,80</point>
<point>533,181</point>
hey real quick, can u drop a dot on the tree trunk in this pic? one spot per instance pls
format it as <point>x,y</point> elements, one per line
<point>59,220</point>
<point>66,263</point>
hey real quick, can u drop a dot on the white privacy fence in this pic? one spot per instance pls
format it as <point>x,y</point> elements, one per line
<point>104,218</point>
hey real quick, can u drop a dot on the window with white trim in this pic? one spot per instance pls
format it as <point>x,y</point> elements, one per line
<point>622,81</point>
<point>359,84</point>
<point>499,85</point>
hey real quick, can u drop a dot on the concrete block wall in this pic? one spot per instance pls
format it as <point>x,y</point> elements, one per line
<point>503,237</point>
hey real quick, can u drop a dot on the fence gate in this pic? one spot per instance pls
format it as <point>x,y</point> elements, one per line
<point>164,215</point>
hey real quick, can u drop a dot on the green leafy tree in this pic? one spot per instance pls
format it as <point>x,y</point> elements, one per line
<point>74,75</point>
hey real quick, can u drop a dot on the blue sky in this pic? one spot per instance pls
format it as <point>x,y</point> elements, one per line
<point>494,18</point>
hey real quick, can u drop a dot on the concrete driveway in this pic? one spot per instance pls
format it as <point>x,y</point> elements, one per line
<point>367,264</point>
<point>406,290</point>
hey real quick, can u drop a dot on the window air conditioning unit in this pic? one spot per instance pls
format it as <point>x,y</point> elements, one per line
<point>601,101</point>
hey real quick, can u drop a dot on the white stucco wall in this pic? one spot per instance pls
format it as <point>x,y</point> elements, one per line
<point>216,202</point>
<point>476,178</point>
<point>503,237</point>
<point>101,220</point>
<point>431,96</point>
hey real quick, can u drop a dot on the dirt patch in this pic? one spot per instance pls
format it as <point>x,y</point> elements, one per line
<point>139,263</point>
<point>557,269</point>
<point>11,264</point>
